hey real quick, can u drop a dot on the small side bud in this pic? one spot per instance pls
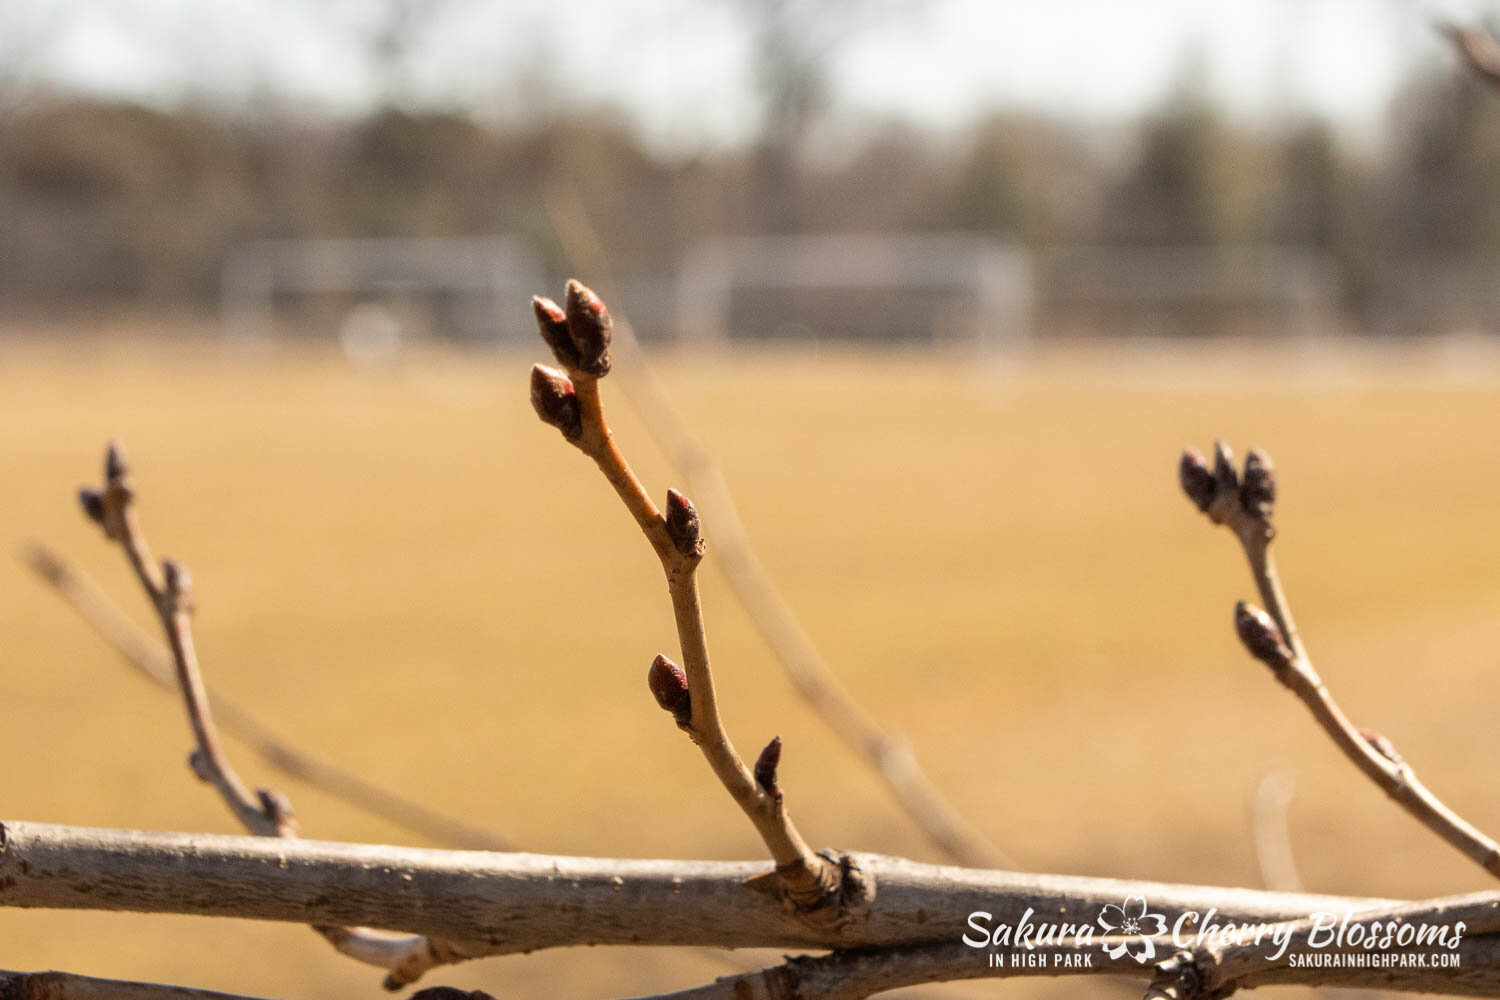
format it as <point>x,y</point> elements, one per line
<point>552,322</point>
<point>1262,637</point>
<point>1197,479</point>
<point>1226,480</point>
<point>553,399</point>
<point>1258,485</point>
<point>591,328</point>
<point>669,685</point>
<point>115,468</point>
<point>765,768</point>
<point>683,525</point>
<point>1382,746</point>
<point>92,502</point>
<point>179,583</point>
<point>277,809</point>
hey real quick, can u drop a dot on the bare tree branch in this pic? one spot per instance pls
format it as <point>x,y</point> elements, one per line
<point>1245,505</point>
<point>265,813</point>
<point>152,661</point>
<point>887,753</point>
<point>580,336</point>
<point>910,934</point>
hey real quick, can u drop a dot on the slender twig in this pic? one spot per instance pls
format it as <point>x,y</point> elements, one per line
<point>1245,505</point>
<point>1272,832</point>
<point>569,400</point>
<point>887,753</point>
<point>1477,49</point>
<point>264,813</point>
<point>153,661</point>
<point>68,986</point>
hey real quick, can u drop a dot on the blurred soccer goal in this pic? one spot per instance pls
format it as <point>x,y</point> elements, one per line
<point>869,287</point>
<point>376,292</point>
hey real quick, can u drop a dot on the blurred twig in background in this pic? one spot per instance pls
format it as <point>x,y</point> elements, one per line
<point>152,661</point>
<point>886,752</point>
<point>1273,840</point>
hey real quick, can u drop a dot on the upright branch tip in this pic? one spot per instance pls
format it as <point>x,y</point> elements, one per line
<point>590,327</point>
<point>554,400</point>
<point>669,685</point>
<point>683,525</point>
<point>765,768</point>
<point>115,468</point>
<point>1262,637</point>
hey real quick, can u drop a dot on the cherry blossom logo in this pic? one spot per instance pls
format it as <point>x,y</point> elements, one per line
<point>1134,925</point>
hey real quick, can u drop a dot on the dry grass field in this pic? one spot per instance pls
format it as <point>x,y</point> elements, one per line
<point>405,571</point>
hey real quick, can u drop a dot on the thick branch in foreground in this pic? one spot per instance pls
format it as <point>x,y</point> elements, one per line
<point>580,336</point>
<point>265,813</point>
<point>1245,504</point>
<point>886,752</point>
<point>67,986</point>
<point>521,902</point>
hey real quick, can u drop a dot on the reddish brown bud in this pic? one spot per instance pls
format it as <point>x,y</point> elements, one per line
<point>114,463</point>
<point>1196,478</point>
<point>553,324</point>
<point>92,502</point>
<point>683,525</point>
<point>1382,745</point>
<point>1258,485</point>
<point>553,399</point>
<point>1226,480</point>
<point>766,765</point>
<point>590,326</point>
<point>669,685</point>
<point>1261,636</point>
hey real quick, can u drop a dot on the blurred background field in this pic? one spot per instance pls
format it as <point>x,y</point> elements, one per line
<point>944,285</point>
<point>994,556</point>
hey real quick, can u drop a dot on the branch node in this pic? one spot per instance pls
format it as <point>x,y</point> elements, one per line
<point>179,587</point>
<point>554,400</point>
<point>669,685</point>
<point>1262,638</point>
<point>684,526</point>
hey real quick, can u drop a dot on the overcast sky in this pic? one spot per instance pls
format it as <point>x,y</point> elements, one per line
<point>680,67</point>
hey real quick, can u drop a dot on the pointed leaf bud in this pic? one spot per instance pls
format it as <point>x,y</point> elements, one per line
<point>766,765</point>
<point>1382,745</point>
<point>1258,487</point>
<point>683,525</point>
<point>590,326</point>
<point>553,324</point>
<point>669,685</point>
<point>1226,479</point>
<point>92,502</point>
<point>1196,478</point>
<point>1261,636</point>
<point>179,583</point>
<point>114,463</point>
<point>553,399</point>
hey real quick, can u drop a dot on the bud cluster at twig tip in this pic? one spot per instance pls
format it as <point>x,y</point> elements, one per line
<point>669,685</point>
<point>179,581</point>
<point>1258,486</point>
<point>1382,746</point>
<point>554,400</point>
<point>590,327</point>
<point>1196,478</point>
<point>683,525</point>
<point>765,768</point>
<point>1261,636</point>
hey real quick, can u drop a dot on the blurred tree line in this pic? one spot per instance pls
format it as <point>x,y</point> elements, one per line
<point>114,203</point>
